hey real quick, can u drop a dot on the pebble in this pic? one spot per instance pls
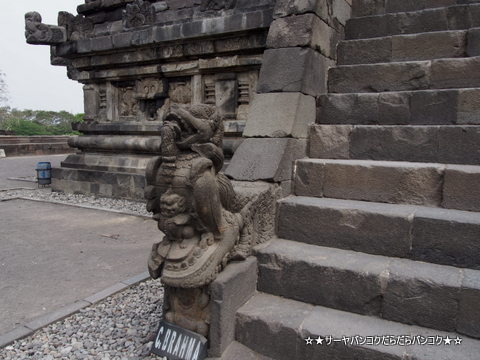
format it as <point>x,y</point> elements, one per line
<point>83,335</point>
<point>126,206</point>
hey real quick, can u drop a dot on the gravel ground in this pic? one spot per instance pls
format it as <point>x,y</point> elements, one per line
<point>126,206</point>
<point>121,327</point>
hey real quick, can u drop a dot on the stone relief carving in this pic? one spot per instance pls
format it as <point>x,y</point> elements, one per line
<point>138,13</point>
<point>151,88</point>
<point>217,4</point>
<point>42,34</point>
<point>77,27</point>
<point>196,208</point>
<point>128,104</point>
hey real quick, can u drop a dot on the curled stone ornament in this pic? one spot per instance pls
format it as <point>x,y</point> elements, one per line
<point>38,33</point>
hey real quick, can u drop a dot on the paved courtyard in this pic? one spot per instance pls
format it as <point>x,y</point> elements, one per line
<point>53,255</point>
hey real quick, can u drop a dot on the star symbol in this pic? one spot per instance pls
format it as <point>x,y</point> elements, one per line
<point>458,341</point>
<point>309,341</point>
<point>319,341</point>
<point>448,340</point>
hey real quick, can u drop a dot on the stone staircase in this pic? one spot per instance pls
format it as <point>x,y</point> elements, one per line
<point>382,235</point>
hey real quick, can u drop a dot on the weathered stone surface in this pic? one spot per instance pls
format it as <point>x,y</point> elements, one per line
<point>373,228</point>
<point>330,141</point>
<point>455,73</point>
<point>447,237</point>
<point>265,318</point>
<point>266,159</point>
<point>365,51</point>
<point>368,7</point>
<point>461,189</point>
<point>332,12</point>
<point>422,294</point>
<point>427,107</point>
<point>427,46</point>
<point>459,145</point>
<point>469,312</point>
<point>468,106</point>
<point>380,77</point>
<point>303,30</point>
<point>473,42</point>
<point>398,143</point>
<point>232,288</point>
<point>293,70</point>
<point>433,107</point>
<point>348,109</point>
<point>380,181</point>
<point>289,269</point>
<point>280,115</point>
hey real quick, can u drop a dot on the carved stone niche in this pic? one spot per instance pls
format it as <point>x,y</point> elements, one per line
<point>77,27</point>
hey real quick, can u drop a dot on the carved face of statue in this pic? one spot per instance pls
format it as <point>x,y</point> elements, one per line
<point>194,124</point>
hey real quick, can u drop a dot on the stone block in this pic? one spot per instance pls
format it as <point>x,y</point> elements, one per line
<point>394,108</point>
<point>433,107</point>
<point>459,145</point>
<point>329,322</point>
<point>265,319</point>
<point>348,109</point>
<point>280,115</point>
<point>473,42</point>
<point>422,294</point>
<point>266,159</point>
<point>293,70</point>
<point>366,27</point>
<point>461,189</point>
<point>455,73</point>
<point>365,51</point>
<point>302,30</point>
<point>102,43</point>
<point>469,311</point>
<point>309,178</point>
<point>417,22</point>
<point>381,181</point>
<point>322,276</point>
<point>380,229</point>
<point>367,7</point>
<point>468,106</point>
<point>446,237</point>
<point>230,290</point>
<point>398,143</point>
<point>330,141</point>
<point>429,46</point>
<point>380,77</point>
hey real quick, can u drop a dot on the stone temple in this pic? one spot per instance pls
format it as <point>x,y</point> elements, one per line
<point>352,126</point>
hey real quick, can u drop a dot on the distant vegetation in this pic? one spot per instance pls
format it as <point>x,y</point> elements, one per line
<point>38,122</point>
<point>33,122</point>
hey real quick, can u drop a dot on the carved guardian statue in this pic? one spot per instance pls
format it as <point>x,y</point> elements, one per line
<point>194,205</point>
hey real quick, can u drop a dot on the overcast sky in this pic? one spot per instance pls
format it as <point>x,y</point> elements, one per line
<point>32,82</point>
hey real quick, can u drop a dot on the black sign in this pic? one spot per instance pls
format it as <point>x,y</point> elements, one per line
<point>176,343</point>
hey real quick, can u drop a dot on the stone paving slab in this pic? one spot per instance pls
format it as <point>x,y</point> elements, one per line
<point>55,255</point>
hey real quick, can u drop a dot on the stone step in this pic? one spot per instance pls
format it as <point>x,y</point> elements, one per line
<point>441,236</point>
<point>452,73</point>
<point>429,107</point>
<point>424,46</point>
<point>379,7</point>
<point>278,327</point>
<point>435,296</point>
<point>427,184</point>
<point>458,17</point>
<point>424,143</point>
